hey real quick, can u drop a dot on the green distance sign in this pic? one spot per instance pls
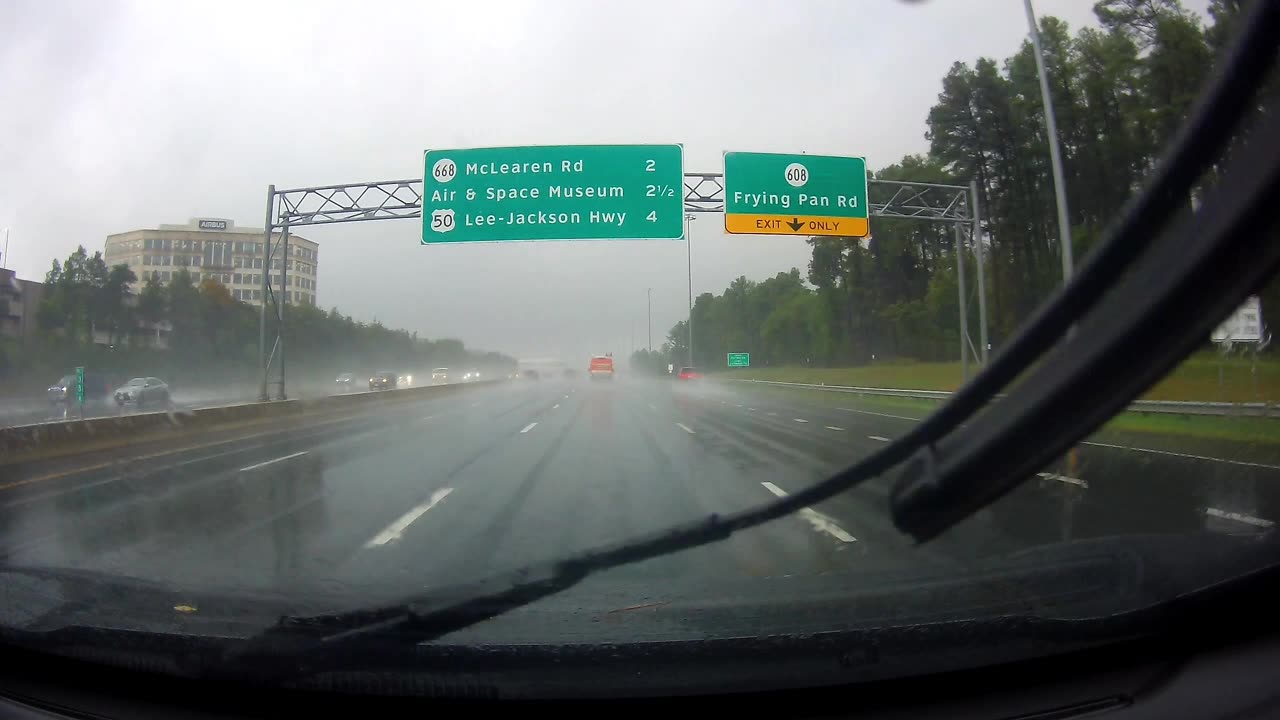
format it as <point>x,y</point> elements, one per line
<point>553,192</point>
<point>80,385</point>
<point>739,360</point>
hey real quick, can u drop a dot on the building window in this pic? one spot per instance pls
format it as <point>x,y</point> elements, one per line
<point>236,278</point>
<point>164,276</point>
<point>146,244</point>
<point>166,244</point>
<point>146,275</point>
<point>195,245</point>
<point>195,261</point>
<point>235,262</point>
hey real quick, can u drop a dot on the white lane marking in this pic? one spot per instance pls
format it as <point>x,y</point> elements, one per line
<point>556,406</point>
<point>868,412</point>
<point>833,427</point>
<point>800,420</point>
<point>685,428</point>
<point>528,427</point>
<point>820,522</point>
<point>269,462</point>
<point>877,438</point>
<point>1112,446</point>
<point>751,409</point>
<point>773,413</point>
<point>739,406</point>
<point>566,397</point>
<point>722,402</point>
<point>397,528</point>
<point>1183,455</point>
<point>429,417</point>
<point>1063,478</point>
<point>1238,517</point>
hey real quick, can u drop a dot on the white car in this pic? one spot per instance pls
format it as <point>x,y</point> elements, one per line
<point>440,376</point>
<point>471,376</point>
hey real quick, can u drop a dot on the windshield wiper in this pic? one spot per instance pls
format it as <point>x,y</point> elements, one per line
<point>950,479</point>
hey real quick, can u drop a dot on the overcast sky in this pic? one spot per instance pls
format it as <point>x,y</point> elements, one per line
<point>118,116</point>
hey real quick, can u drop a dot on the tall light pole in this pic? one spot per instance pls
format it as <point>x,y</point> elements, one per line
<point>688,248</point>
<point>1055,154</point>
<point>649,295</point>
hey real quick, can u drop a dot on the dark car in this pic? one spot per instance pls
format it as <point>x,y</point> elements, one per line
<point>528,374</point>
<point>143,393</point>
<point>385,380</point>
<point>688,373</point>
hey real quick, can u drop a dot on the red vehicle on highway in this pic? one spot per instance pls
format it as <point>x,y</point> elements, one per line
<point>601,367</point>
<point>688,373</point>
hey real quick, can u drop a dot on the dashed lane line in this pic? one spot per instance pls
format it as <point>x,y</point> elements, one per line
<point>686,428</point>
<point>1063,479</point>
<point>396,529</point>
<point>1238,517</point>
<point>529,427</point>
<point>273,462</point>
<point>820,522</point>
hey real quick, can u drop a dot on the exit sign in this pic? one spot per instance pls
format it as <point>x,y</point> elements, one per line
<point>739,360</point>
<point>776,194</point>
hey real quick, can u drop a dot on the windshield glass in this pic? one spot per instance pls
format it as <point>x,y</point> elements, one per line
<point>832,214</point>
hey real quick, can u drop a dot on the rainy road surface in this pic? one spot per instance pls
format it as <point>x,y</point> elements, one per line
<point>448,489</point>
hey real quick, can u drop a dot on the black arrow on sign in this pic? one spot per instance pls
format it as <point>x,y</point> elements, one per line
<point>796,224</point>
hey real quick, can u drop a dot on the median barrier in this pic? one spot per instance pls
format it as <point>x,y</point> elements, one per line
<point>43,441</point>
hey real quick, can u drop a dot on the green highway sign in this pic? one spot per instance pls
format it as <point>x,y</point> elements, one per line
<point>553,192</point>
<point>80,385</point>
<point>739,360</point>
<point>774,194</point>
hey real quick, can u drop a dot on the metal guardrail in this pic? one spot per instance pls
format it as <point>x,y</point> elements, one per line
<point>1172,407</point>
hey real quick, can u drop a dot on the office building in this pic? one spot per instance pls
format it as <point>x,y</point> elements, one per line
<point>214,248</point>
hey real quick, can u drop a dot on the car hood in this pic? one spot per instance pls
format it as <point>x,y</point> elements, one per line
<point>1037,602</point>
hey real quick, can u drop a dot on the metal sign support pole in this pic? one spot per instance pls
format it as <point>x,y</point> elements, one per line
<point>964,310</point>
<point>262,309</point>
<point>976,234</point>
<point>282,298</point>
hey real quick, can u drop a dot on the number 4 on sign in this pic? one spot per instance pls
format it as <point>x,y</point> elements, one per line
<point>652,216</point>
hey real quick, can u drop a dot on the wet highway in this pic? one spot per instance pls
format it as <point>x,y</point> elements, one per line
<point>443,490</point>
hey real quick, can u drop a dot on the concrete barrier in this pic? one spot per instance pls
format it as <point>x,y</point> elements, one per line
<point>25,443</point>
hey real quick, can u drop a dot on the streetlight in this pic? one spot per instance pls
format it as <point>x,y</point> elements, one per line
<point>1055,154</point>
<point>688,247</point>
<point>649,302</point>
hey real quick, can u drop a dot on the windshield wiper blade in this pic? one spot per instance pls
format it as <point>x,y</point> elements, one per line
<point>1196,274</point>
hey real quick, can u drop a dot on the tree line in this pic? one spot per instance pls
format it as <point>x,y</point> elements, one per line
<point>197,332</point>
<point>1120,91</point>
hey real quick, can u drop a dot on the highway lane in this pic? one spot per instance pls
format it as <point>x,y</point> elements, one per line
<point>437,492</point>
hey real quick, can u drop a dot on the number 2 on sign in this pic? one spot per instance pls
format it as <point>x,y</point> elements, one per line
<point>649,166</point>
